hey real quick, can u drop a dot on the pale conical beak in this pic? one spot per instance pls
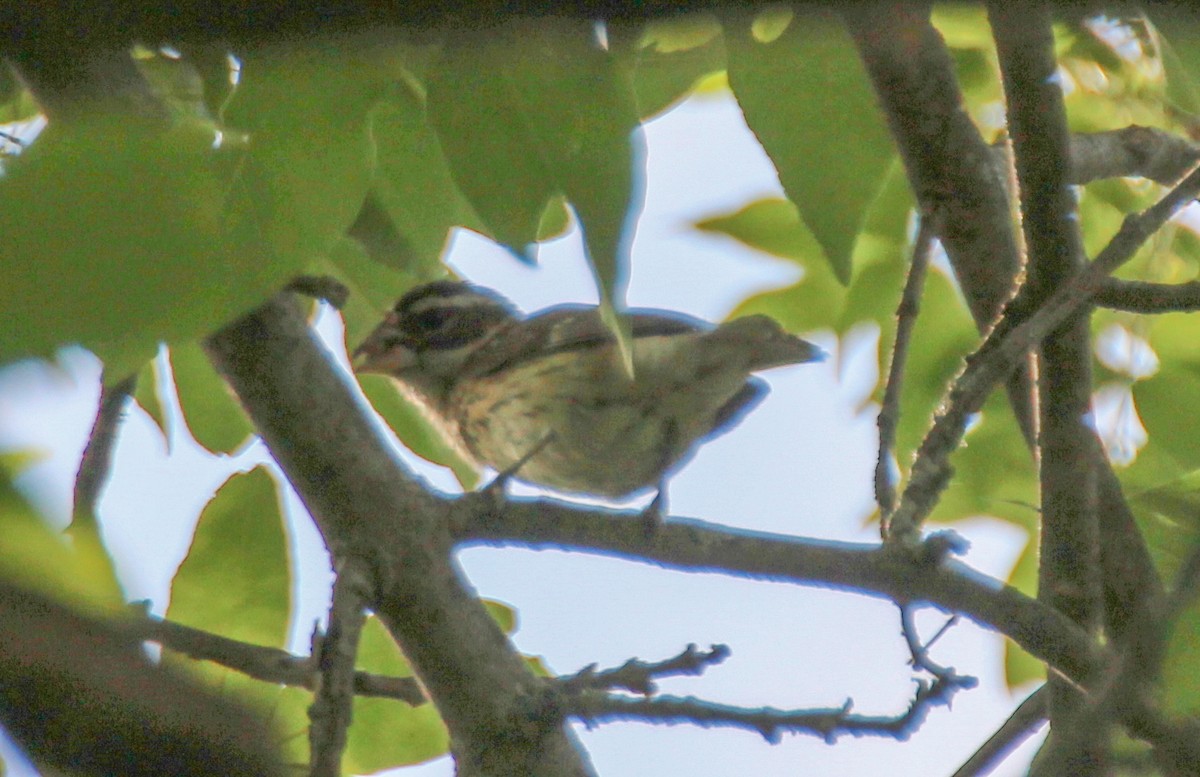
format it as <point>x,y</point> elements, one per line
<point>362,357</point>
<point>383,352</point>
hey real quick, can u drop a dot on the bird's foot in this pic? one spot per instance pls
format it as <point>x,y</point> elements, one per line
<point>494,491</point>
<point>654,513</point>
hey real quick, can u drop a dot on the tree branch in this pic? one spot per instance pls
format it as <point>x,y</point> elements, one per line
<point>1025,719</point>
<point>693,545</point>
<point>829,724</point>
<point>943,154</point>
<point>951,169</point>
<point>889,409</point>
<point>1142,297</point>
<point>96,462</point>
<point>371,509</point>
<point>1069,549</point>
<point>79,695</point>
<point>1007,344</point>
<point>271,665</point>
<point>638,676</point>
<point>336,652</point>
<point>1142,152</point>
<point>1124,696</point>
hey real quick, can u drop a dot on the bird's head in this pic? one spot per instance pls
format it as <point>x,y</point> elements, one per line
<point>432,331</point>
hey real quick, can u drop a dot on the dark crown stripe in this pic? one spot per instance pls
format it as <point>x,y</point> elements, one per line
<point>445,292</point>
<point>437,289</point>
<point>446,315</point>
<point>467,325</point>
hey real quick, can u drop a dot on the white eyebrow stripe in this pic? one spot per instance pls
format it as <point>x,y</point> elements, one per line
<point>459,301</point>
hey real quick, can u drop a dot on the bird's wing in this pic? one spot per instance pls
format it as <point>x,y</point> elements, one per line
<point>572,328</point>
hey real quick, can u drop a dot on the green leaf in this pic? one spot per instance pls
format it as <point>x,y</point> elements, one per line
<point>1180,678</point>
<point>534,110</point>
<point>414,430</point>
<point>388,733</point>
<point>112,236</point>
<point>810,304</point>
<point>820,299</point>
<point>1172,448</point>
<point>373,287</point>
<point>309,157</point>
<point>146,394</point>
<point>994,475</point>
<point>213,416</point>
<point>670,35</point>
<point>885,237</point>
<point>415,185</point>
<point>504,615</point>
<point>176,82</point>
<point>1181,62</point>
<point>963,26</point>
<point>668,59</point>
<point>771,225</point>
<point>221,220</point>
<point>943,334</point>
<point>17,105</point>
<point>556,219</point>
<point>1019,666</point>
<point>78,571</point>
<point>1169,517</point>
<point>807,99</point>
<point>236,580</point>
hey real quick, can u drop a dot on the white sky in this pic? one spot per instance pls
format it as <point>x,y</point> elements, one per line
<point>800,464</point>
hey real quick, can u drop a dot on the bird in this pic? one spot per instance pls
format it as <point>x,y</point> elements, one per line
<point>547,397</point>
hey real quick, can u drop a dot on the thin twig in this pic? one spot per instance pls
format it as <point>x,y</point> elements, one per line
<point>336,652</point>
<point>1133,151</point>
<point>946,681</point>
<point>889,411</point>
<point>829,723</point>
<point>920,651</point>
<point>1006,345</point>
<point>638,676</point>
<point>271,665</point>
<point>1144,297</point>
<point>1025,719</point>
<point>324,287</point>
<point>96,463</point>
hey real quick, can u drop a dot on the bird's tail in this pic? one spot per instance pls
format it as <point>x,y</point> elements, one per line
<point>765,344</point>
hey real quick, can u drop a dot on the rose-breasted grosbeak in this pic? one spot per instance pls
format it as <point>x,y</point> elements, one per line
<point>547,398</point>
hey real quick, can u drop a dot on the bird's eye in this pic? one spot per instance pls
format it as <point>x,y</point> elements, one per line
<point>432,319</point>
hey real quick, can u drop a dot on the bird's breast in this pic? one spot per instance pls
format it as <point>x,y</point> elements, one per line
<point>594,429</point>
